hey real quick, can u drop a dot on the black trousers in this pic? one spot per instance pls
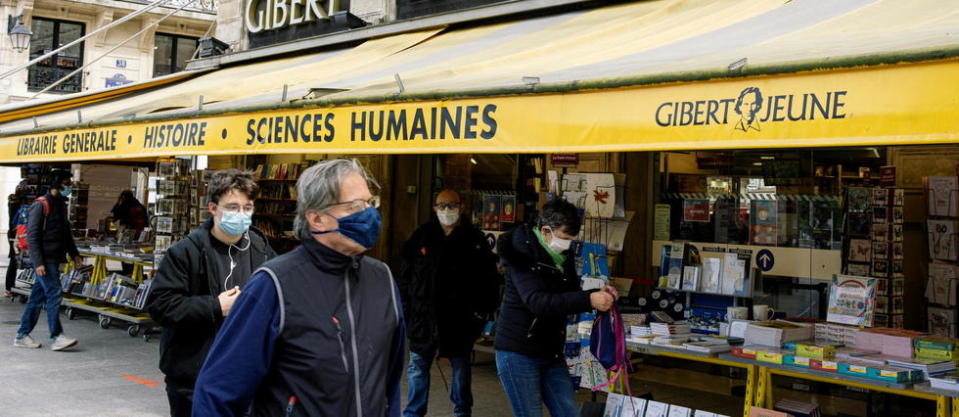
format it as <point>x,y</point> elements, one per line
<point>180,395</point>
<point>11,272</point>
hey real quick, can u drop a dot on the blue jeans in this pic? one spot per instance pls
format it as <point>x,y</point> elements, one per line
<point>531,382</point>
<point>418,372</point>
<point>45,291</point>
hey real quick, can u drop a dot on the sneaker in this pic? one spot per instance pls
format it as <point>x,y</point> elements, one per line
<point>26,342</point>
<point>62,342</point>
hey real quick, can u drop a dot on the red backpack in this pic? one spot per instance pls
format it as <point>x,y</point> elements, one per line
<point>22,223</point>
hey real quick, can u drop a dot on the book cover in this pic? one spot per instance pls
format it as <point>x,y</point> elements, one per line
<point>852,300</point>
<point>733,275</point>
<point>676,265</point>
<point>691,278</point>
<point>711,277</point>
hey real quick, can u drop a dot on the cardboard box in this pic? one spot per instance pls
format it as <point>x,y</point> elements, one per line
<point>776,332</point>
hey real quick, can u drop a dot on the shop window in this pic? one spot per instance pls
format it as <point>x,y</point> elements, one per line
<point>50,34</point>
<point>171,53</point>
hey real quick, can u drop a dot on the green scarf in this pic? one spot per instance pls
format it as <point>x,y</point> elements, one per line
<point>558,258</point>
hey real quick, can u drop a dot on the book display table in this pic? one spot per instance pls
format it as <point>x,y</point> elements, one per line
<point>106,311</point>
<point>759,390</point>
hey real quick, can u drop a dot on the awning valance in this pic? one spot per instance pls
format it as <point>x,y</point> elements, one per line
<point>595,80</point>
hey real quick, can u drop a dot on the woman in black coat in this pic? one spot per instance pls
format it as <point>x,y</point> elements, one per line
<point>542,288</point>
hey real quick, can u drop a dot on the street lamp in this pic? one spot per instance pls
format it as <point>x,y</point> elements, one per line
<point>19,33</point>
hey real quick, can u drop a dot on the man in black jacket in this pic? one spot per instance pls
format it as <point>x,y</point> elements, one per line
<point>200,277</point>
<point>542,288</point>
<point>50,240</point>
<point>449,285</point>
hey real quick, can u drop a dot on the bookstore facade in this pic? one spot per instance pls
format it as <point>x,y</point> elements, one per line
<point>791,211</point>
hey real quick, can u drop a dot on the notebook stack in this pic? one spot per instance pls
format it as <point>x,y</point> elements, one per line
<point>929,367</point>
<point>948,382</point>
<point>669,329</point>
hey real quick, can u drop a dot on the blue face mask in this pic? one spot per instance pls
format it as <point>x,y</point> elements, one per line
<point>66,191</point>
<point>235,223</point>
<point>362,227</point>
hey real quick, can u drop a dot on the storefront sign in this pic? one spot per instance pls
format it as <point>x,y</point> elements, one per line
<point>590,121</point>
<point>888,176</point>
<point>564,159</point>
<point>263,15</point>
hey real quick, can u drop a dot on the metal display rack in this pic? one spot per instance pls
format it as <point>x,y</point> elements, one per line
<point>107,307</point>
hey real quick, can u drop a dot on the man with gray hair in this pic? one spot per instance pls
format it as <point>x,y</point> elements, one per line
<point>318,331</point>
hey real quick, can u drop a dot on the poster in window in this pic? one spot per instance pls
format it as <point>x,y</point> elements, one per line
<point>491,212</point>
<point>763,224</point>
<point>508,214</point>
<point>852,300</point>
<point>696,211</point>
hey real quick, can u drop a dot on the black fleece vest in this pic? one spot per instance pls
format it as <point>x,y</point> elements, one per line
<point>335,325</point>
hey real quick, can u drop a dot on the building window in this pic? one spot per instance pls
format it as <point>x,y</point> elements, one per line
<point>171,53</point>
<point>49,34</point>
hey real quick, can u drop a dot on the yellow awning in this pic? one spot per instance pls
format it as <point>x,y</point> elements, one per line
<point>595,80</point>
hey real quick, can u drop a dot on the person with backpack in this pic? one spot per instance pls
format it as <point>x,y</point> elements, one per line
<point>49,241</point>
<point>542,288</point>
<point>17,209</point>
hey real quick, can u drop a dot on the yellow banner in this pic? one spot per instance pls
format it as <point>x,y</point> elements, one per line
<point>893,105</point>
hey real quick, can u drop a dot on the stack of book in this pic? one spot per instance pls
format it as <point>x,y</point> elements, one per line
<point>668,329</point>
<point>672,340</point>
<point>936,347</point>
<point>929,367</point>
<point>948,381</point>
<point>711,346</point>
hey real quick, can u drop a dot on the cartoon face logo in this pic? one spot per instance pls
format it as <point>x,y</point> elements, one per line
<point>748,104</point>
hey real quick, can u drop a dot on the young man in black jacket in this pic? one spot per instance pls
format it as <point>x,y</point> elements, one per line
<point>542,288</point>
<point>50,240</point>
<point>449,284</point>
<point>200,277</point>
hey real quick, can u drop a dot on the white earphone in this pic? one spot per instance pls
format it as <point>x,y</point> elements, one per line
<point>229,252</point>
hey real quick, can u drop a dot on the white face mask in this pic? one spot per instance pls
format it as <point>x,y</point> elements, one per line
<point>448,217</point>
<point>559,244</point>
